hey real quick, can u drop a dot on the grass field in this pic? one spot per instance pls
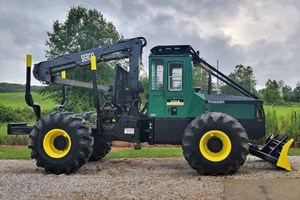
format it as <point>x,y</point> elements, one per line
<point>3,135</point>
<point>283,110</point>
<point>14,152</point>
<point>294,152</point>
<point>22,152</point>
<point>11,139</point>
<point>17,100</point>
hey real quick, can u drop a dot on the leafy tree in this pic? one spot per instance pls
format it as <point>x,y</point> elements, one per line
<point>83,29</point>
<point>200,78</point>
<point>296,93</point>
<point>145,83</point>
<point>243,76</point>
<point>287,93</point>
<point>271,93</point>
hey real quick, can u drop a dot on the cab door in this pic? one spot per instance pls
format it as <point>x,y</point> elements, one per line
<point>175,91</point>
<point>157,88</point>
<point>169,78</point>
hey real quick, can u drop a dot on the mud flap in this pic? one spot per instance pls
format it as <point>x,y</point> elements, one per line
<point>275,151</point>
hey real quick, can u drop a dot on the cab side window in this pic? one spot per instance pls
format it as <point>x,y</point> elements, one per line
<point>157,74</point>
<point>175,76</point>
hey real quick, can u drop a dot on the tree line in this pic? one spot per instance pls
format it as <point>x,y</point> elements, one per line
<point>15,87</point>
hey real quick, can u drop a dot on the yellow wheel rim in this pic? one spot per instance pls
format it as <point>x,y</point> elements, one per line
<point>50,146</point>
<point>219,155</point>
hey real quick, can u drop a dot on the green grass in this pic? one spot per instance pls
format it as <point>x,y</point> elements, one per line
<point>3,135</point>
<point>14,152</point>
<point>156,152</point>
<point>283,110</point>
<point>3,128</point>
<point>11,139</point>
<point>22,152</point>
<point>17,100</point>
<point>294,152</point>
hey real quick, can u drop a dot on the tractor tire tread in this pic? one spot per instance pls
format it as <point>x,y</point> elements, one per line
<point>77,157</point>
<point>192,137</point>
<point>100,149</point>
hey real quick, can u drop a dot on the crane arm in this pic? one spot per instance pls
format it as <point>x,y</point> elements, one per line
<point>47,71</point>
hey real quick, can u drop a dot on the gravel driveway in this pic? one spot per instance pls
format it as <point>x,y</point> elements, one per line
<point>148,178</point>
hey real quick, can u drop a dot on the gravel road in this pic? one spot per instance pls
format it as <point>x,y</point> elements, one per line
<point>148,178</point>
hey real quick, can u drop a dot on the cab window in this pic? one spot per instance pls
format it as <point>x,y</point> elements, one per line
<point>175,76</point>
<point>157,74</point>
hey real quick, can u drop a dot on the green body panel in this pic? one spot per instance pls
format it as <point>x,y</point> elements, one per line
<point>196,103</point>
<point>238,111</point>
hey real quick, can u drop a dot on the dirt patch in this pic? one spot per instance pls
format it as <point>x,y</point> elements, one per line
<point>278,188</point>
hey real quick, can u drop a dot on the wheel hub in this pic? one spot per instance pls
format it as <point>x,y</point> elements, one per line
<point>215,144</point>
<point>60,142</point>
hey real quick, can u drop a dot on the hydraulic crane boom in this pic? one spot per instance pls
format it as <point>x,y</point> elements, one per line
<point>47,71</point>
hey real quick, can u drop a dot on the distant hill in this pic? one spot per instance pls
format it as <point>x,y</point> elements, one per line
<point>14,87</point>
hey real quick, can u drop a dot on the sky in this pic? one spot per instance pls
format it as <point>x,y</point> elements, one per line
<point>262,34</point>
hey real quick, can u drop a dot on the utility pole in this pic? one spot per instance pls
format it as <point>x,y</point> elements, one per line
<point>218,84</point>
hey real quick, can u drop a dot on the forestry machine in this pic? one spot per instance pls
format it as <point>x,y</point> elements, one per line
<point>216,131</point>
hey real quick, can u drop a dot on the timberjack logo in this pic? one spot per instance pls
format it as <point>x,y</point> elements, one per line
<point>216,101</point>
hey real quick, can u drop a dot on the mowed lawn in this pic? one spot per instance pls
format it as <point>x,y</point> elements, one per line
<point>17,100</point>
<point>22,152</point>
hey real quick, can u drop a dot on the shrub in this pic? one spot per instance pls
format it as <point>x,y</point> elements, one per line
<point>9,114</point>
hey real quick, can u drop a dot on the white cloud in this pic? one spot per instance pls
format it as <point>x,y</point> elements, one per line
<point>268,20</point>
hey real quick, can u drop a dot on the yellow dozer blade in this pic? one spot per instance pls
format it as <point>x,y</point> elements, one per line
<point>275,151</point>
<point>283,161</point>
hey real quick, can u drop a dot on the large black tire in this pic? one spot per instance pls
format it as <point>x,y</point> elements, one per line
<point>215,144</point>
<point>100,149</point>
<point>60,143</point>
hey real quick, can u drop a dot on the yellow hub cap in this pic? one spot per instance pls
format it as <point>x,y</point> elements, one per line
<point>219,153</point>
<point>57,143</point>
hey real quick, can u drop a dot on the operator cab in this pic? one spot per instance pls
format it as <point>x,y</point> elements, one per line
<point>170,81</point>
